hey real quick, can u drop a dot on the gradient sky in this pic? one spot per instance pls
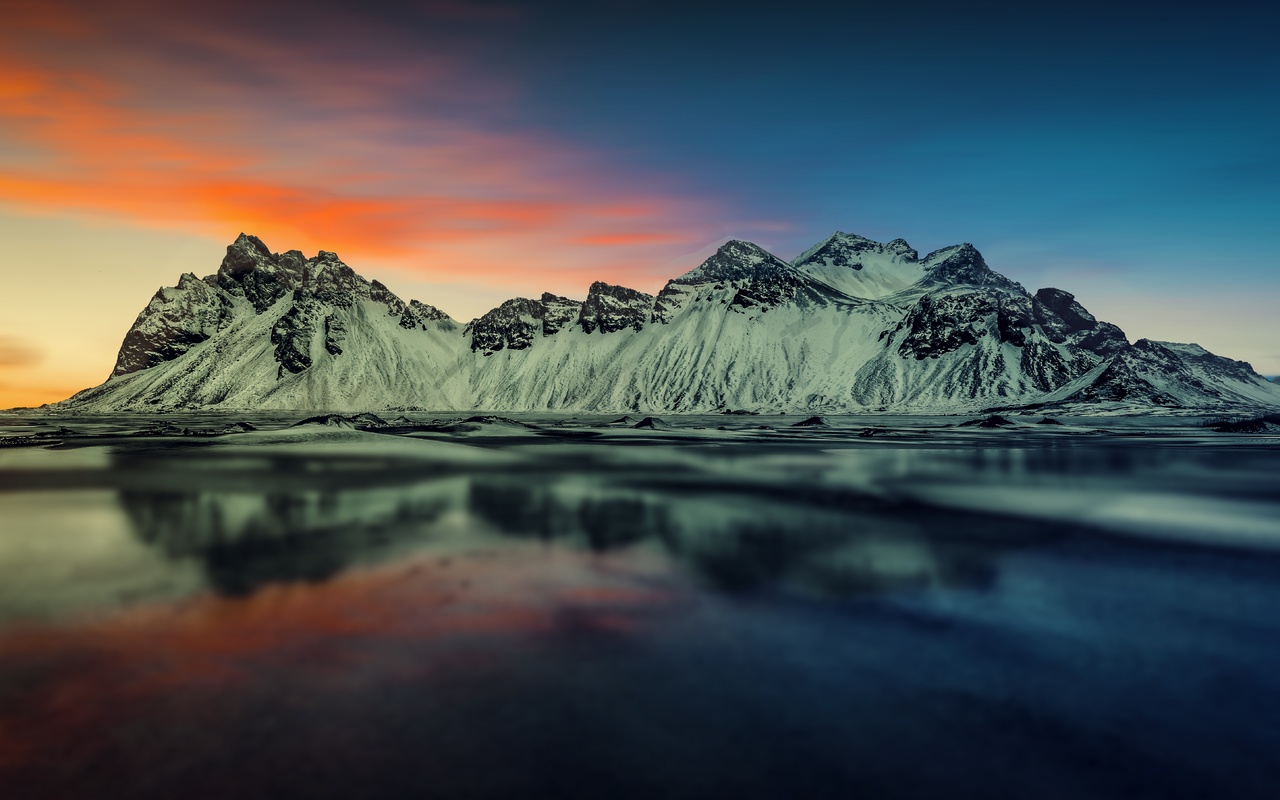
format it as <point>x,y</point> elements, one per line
<point>464,152</point>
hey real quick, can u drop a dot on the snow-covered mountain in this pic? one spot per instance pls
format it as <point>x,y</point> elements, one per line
<point>850,325</point>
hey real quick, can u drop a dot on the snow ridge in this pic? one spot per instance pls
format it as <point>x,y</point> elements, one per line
<point>850,325</point>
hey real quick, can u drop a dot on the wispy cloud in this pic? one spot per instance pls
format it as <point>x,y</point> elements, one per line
<point>340,133</point>
<point>15,352</point>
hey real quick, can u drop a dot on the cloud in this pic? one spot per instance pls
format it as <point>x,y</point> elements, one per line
<point>346,135</point>
<point>15,352</point>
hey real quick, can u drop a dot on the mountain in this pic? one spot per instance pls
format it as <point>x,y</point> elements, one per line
<point>849,325</point>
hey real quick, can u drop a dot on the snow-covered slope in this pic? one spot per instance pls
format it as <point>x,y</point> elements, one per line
<point>1166,374</point>
<point>850,325</point>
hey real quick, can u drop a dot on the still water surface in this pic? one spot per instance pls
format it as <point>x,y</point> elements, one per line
<point>578,611</point>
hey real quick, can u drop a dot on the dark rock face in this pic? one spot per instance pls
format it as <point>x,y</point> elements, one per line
<point>757,280</point>
<point>611,308</point>
<point>292,335</point>
<point>1120,381</point>
<point>1268,423</point>
<point>668,301</point>
<point>811,422</point>
<point>353,421</point>
<point>943,323</point>
<point>181,317</point>
<point>558,313</point>
<point>1131,376</point>
<point>515,324</point>
<point>335,334</point>
<point>993,421</point>
<point>381,294</point>
<point>736,261</point>
<point>964,265</point>
<point>427,312</point>
<point>332,282</point>
<point>1063,320</point>
<point>846,249</point>
<point>253,272</point>
<point>176,319</point>
<point>413,315</point>
<point>735,265</point>
<point>420,315</point>
<point>512,325</point>
<point>936,326</point>
<point>765,294</point>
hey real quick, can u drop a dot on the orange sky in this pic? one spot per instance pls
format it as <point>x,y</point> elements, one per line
<point>83,673</point>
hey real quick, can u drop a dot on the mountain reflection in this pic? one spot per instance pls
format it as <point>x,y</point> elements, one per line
<point>246,540</point>
<point>265,529</point>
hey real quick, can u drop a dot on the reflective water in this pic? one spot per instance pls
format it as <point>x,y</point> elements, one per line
<point>578,610</point>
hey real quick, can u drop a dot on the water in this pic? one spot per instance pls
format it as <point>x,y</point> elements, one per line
<point>577,610</point>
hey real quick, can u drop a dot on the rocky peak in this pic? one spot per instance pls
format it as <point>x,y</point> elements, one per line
<point>176,319</point>
<point>899,247</point>
<point>736,260</point>
<point>1204,361</point>
<point>963,265</point>
<point>245,254</point>
<point>427,312</point>
<point>842,249</point>
<point>1064,320</point>
<point>511,326</point>
<point>558,313</point>
<point>418,314</point>
<point>293,263</point>
<point>328,280</point>
<point>187,282</point>
<point>379,293</point>
<point>941,324</point>
<point>250,270</point>
<point>1064,306</point>
<point>610,308</point>
<point>735,264</point>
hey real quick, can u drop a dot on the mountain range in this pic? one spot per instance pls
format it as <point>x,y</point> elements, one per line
<point>850,325</point>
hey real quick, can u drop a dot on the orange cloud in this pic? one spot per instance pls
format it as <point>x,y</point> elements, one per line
<point>647,237</point>
<point>95,693</point>
<point>15,352</point>
<point>314,144</point>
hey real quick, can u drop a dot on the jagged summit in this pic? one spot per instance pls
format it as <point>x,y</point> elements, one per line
<point>962,264</point>
<point>735,260</point>
<point>180,317</point>
<point>842,249</point>
<point>850,325</point>
<point>610,308</point>
<point>244,254</point>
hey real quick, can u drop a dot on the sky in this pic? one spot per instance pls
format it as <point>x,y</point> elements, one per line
<point>469,152</point>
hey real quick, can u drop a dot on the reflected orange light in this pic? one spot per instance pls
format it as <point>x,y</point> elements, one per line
<point>211,655</point>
